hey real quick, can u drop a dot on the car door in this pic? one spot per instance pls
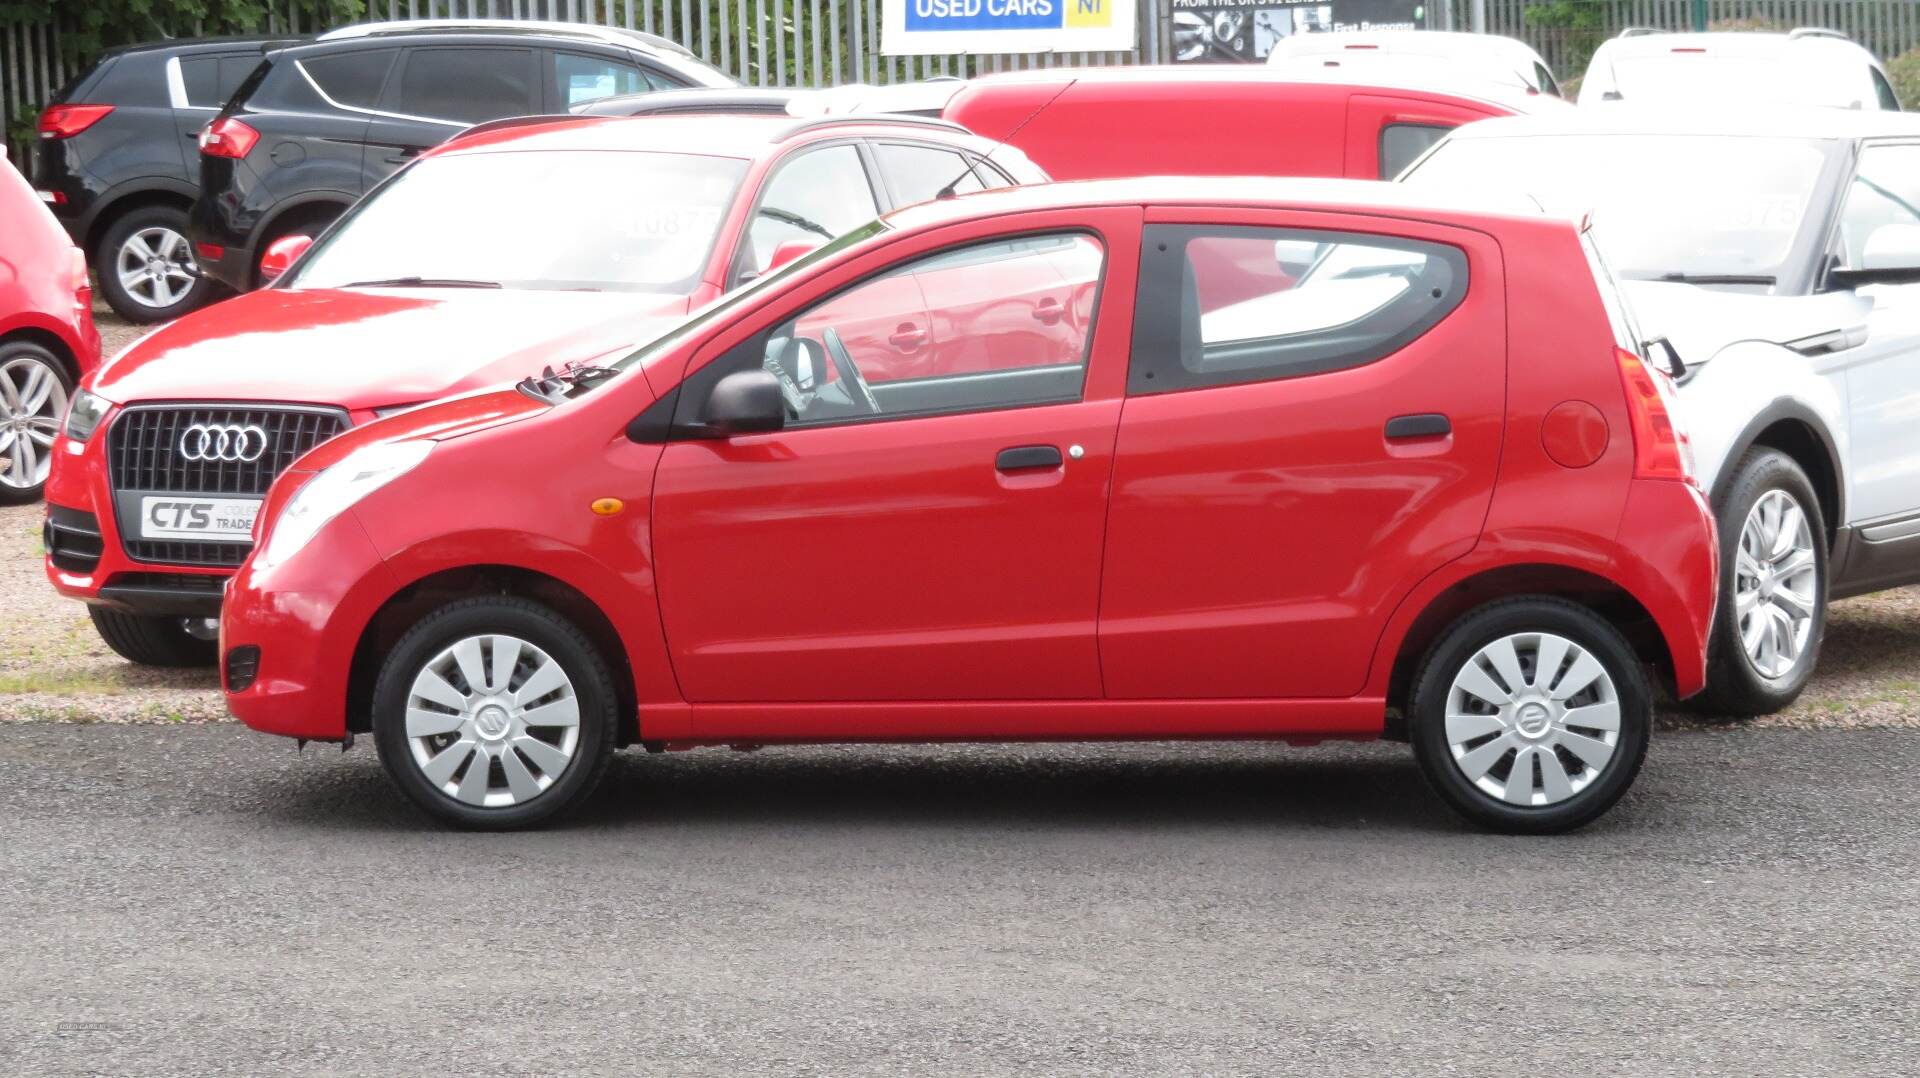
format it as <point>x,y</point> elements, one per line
<point>944,547</point>
<point>1880,380</point>
<point>1268,511</point>
<point>439,91</point>
<point>1386,133</point>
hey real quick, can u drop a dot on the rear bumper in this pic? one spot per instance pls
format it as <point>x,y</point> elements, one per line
<point>222,218</point>
<point>1669,558</point>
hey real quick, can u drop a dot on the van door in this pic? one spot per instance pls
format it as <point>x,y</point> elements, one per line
<point>1290,464</point>
<point>1385,133</point>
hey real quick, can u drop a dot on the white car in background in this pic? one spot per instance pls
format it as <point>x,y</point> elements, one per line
<point>1491,58</point>
<point>1807,66</point>
<point>1778,252</point>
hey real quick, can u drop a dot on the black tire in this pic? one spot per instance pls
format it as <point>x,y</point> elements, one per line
<point>1734,687</point>
<point>152,641</point>
<point>11,353</point>
<point>531,623</point>
<point>106,259</point>
<point>1459,645</point>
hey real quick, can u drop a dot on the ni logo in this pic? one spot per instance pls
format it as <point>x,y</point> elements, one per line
<point>1089,13</point>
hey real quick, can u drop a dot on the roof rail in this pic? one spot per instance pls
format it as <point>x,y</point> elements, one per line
<point>612,35</point>
<point>699,100</point>
<point>870,118</point>
<point>1640,31</point>
<point>512,121</point>
<point>1799,32</point>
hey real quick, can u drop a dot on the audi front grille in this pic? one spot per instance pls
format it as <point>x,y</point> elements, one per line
<point>209,451</point>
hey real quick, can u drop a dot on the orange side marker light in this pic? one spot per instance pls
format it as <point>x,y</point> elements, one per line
<point>606,507</point>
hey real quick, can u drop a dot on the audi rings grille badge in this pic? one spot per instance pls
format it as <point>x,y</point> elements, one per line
<point>225,443</point>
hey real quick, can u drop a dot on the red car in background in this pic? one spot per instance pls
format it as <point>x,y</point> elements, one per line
<point>1098,123</point>
<point>516,246</point>
<point>1407,476</point>
<point>47,337</point>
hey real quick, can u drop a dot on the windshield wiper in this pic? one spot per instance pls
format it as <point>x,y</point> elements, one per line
<point>422,282</point>
<point>1711,278</point>
<point>797,221</point>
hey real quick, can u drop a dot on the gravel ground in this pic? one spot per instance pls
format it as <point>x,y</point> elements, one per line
<point>205,901</point>
<point>52,666</point>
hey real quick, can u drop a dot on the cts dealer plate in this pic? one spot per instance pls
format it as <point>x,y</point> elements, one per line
<point>164,516</point>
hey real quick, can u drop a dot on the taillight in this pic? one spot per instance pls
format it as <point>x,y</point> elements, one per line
<point>66,121</point>
<point>77,279</point>
<point>1660,447</point>
<point>228,138</point>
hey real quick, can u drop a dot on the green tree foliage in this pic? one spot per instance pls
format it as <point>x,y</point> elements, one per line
<point>88,26</point>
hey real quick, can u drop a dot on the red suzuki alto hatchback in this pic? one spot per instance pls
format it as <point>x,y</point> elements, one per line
<point>1324,460</point>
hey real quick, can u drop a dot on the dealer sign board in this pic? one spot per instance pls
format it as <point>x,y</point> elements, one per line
<point>951,27</point>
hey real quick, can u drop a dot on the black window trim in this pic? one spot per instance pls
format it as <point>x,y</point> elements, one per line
<point>685,424</point>
<point>1154,364</point>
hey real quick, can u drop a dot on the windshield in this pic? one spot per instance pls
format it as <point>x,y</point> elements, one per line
<point>570,219</point>
<point>1674,206</point>
<point>1699,77</point>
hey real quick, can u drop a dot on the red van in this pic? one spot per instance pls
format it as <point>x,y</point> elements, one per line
<point>1323,459</point>
<point>47,338</point>
<point>1100,123</point>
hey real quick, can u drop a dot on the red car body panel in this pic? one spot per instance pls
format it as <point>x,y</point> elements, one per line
<point>1079,123</point>
<point>363,349</point>
<point>44,294</point>
<point>884,581</point>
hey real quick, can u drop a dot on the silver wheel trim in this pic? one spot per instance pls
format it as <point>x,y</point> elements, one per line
<point>32,405</point>
<point>152,267</point>
<point>1774,584</point>
<point>492,721</point>
<point>1532,719</point>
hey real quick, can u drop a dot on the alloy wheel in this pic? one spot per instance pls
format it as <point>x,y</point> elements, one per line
<point>1532,719</point>
<point>492,721</point>
<point>152,267</point>
<point>33,401</point>
<point>1774,584</point>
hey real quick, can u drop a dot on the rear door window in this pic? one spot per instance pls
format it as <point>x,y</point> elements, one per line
<point>578,78</point>
<point>467,85</point>
<point>919,173</point>
<point>211,80</point>
<point>1401,144</point>
<point>350,78</point>
<point>1220,305</point>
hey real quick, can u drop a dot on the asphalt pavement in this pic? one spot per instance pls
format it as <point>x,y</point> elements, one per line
<point>200,900</point>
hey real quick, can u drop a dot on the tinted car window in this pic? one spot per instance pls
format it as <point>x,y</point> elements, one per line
<point>134,79</point>
<point>351,78</point>
<point>1881,90</point>
<point>920,173</point>
<point>813,197</point>
<point>587,78</point>
<point>1220,305</point>
<point>843,359</point>
<point>467,85</point>
<point>1401,143</point>
<point>210,80</point>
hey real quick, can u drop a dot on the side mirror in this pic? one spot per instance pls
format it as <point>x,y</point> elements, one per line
<point>745,402</point>
<point>788,251</point>
<point>1891,247</point>
<point>281,255</point>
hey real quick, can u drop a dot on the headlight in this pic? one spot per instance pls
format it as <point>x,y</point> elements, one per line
<point>83,415</point>
<point>330,493</point>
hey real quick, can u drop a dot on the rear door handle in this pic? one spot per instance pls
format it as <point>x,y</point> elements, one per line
<point>1023,457</point>
<point>1425,425</point>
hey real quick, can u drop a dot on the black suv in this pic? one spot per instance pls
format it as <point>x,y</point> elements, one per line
<point>115,163</point>
<point>316,126</point>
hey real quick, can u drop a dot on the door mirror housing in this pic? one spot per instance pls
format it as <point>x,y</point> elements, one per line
<point>281,255</point>
<point>745,402</point>
<point>788,251</point>
<point>1892,249</point>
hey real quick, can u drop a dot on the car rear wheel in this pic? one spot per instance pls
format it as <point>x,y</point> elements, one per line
<point>155,640</point>
<point>495,713</point>
<point>145,266</point>
<point>33,403</point>
<point>1531,716</point>
<point>1773,589</point>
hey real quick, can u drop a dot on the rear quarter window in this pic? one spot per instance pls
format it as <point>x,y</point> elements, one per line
<point>138,79</point>
<point>1402,144</point>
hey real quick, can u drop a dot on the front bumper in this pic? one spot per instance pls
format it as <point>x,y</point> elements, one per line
<point>291,630</point>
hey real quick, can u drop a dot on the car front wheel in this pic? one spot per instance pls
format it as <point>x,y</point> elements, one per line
<point>495,713</point>
<point>1531,716</point>
<point>33,403</point>
<point>1773,589</point>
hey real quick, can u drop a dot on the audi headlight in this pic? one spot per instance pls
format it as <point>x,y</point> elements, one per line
<point>83,415</point>
<point>333,491</point>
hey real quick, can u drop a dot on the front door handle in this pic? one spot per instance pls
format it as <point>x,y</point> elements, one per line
<point>1048,311</point>
<point>1025,457</point>
<point>907,337</point>
<point>1425,425</point>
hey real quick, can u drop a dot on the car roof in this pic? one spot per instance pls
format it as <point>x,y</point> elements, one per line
<point>611,35</point>
<point>200,44</point>
<point>1731,43</point>
<point>1781,121</point>
<point>1473,89</point>
<point>1436,43</point>
<point>745,134</point>
<point>1362,196</point>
